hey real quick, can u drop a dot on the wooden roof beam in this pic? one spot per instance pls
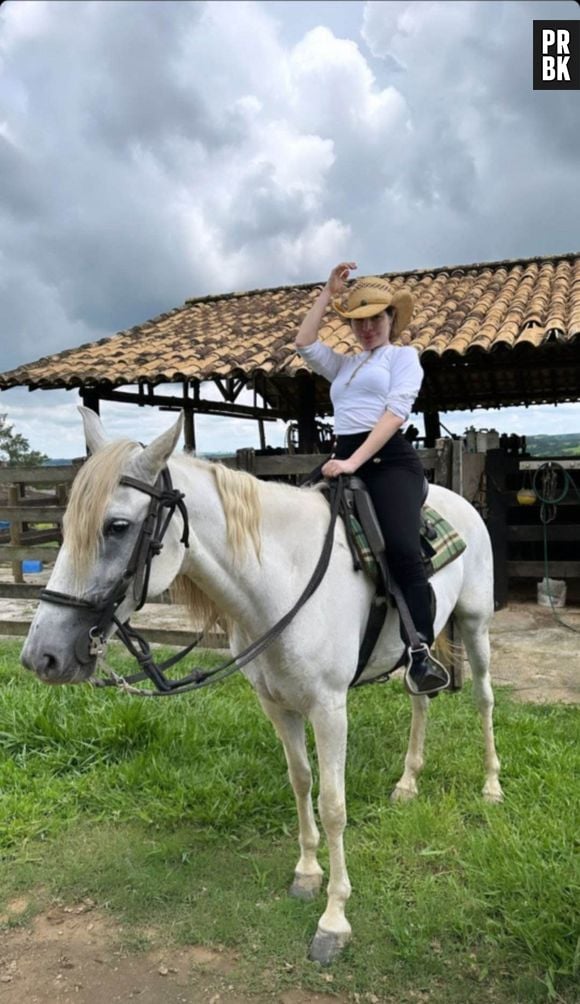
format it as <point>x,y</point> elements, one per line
<point>230,388</point>
<point>168,403</point>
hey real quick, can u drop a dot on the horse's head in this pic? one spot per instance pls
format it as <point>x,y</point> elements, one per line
<point>121,544</point>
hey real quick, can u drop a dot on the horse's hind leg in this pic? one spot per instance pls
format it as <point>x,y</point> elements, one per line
<point>290,727</point>
<point>475,635</point>
<point>406,788</point>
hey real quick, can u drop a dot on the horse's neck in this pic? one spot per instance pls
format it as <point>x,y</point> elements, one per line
<point>245,588</point>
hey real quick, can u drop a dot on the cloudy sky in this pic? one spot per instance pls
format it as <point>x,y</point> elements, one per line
<point>154,151</point>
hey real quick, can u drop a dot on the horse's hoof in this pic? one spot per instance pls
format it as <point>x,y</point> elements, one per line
<point>326,947</point>
<point>493,796</point>
<point>305,887</point>
<point>399,794</point>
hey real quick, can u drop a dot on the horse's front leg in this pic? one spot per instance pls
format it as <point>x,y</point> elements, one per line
<point>330,731</point>
<point>406,788</point>
<point>290,727</point>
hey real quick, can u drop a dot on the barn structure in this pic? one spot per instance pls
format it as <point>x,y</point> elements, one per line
<point>490,335</point>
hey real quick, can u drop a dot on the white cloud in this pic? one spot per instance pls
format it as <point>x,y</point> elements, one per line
<point>305,253</point>
<point>334,91</point>
<point>26,21</point>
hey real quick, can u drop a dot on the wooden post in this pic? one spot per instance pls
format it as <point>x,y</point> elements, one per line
<point>432,427</point>
<point>62,494</point>
<point>307,436</point>
<point>457,466</point>
<point>246,460</point>
<point>15,493</point>
<point>495,470</point>
<point>443,466</point>
<point>262,432</point>
<point>91,400</point>
<point>189,430</point>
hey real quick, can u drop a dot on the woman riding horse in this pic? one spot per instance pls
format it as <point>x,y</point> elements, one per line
<point>247,555</point>
<point>372,393</point>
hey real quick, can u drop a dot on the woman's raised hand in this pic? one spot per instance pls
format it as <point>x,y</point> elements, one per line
<point>339,277</point>
<point>308,330</point>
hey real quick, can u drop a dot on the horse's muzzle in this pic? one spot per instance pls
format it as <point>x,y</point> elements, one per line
<point>50,670</point>
<point>53,662</point>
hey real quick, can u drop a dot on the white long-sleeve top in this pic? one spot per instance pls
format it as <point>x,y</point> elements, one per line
<point>365,385</point>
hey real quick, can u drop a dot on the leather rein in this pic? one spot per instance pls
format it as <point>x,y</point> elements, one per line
<point>163,496</point>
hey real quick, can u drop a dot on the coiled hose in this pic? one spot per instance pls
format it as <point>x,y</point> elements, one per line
<point>550,498</point>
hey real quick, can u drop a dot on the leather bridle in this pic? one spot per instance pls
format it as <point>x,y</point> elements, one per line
<point>164,500</point>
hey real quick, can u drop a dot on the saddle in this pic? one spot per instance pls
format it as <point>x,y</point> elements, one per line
<point>440,541</point>
<point>440,544</point>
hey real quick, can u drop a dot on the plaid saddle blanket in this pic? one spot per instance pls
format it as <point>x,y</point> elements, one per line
<point>440,542</point>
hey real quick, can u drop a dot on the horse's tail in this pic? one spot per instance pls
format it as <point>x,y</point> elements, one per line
<point>447,651</point>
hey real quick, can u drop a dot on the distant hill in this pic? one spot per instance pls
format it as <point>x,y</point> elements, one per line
<point>565,445</point>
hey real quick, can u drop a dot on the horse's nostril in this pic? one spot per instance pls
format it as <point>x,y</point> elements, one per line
<point>47,666</point>
<point>43,665</point>
<point>49,662</point>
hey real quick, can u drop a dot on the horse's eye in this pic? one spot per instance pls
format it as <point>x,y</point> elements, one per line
<point>116,527</point>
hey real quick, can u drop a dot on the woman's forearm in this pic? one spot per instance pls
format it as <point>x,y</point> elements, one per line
<point>385,428</point>
<point>308,331</point>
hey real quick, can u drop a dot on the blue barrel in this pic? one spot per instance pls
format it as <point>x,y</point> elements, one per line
<point>28,565</point>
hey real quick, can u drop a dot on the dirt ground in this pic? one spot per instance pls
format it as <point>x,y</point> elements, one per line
<point>535,654</point>
<point>71,953</point>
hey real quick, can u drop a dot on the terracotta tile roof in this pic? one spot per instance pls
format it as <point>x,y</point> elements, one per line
<point>461,313</point>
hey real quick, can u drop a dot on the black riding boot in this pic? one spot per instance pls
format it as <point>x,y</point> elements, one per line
<point>425,675</point>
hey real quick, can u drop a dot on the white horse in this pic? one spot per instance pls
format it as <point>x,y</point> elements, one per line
<point>253,546</point>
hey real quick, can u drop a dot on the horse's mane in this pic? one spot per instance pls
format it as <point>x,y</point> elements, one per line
<point>90,494</point>
<point>241,495</point>
<point>97,479</point>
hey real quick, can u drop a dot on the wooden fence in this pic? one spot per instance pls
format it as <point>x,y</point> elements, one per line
<point>443,463</point>
<point>30,496</point>
<point>39,495</point>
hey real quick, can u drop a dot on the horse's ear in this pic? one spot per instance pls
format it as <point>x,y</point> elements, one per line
<point>94,433</point>
<point>155,456</point>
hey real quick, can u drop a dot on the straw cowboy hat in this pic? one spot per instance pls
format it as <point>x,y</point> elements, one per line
<point>371,296</point>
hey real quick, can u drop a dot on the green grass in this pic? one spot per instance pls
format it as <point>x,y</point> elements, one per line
<point>177,813</point>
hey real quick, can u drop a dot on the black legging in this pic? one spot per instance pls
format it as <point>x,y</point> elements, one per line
<point>395,480</point>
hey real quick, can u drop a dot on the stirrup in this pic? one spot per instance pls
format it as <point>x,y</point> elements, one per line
<point>438,684</point>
